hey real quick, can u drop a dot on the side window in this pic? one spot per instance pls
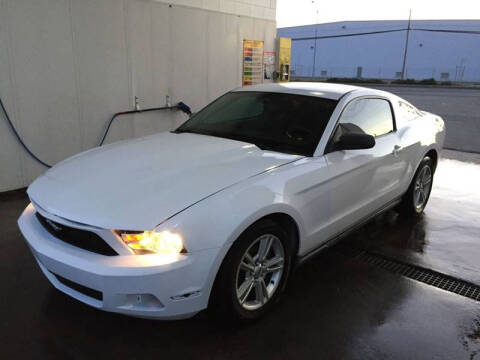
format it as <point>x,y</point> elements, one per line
<point>368,116</point>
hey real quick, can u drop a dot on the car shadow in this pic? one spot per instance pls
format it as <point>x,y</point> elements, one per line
<point>330,301</point>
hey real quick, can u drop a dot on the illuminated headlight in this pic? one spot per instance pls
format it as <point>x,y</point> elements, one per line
<point>148,242</point>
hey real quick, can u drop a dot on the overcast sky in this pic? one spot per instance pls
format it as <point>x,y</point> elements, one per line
<point>302,12</point>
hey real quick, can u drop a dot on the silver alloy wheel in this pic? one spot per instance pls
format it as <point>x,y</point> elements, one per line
<point>422,187</point>
<point>260,272</point>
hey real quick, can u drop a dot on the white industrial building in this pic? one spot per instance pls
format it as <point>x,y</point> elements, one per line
<point>67,65</point>
<point>446,50</point>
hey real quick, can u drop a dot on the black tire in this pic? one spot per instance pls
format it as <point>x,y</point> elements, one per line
<point>224,303</point>
<point>407,207</point>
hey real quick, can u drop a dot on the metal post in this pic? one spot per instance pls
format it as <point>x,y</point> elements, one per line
<point>315,46</point>
<point>406,45</point>
<point>314,52</point>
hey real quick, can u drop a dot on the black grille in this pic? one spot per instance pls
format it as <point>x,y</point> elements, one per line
<point>80,288</point>
<point>83,239</point>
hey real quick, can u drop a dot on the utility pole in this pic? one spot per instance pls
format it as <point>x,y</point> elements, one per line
<point>406,45</point>
<point>315,46</point>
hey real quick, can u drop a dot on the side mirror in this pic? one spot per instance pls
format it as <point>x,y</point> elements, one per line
<point>355,141</point>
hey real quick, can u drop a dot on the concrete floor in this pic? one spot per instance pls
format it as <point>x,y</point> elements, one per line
<point>336,306</point>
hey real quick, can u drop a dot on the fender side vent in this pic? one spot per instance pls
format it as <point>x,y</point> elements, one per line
<point>426,276</point>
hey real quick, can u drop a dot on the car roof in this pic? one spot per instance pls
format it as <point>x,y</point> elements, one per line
<point>319,89</point>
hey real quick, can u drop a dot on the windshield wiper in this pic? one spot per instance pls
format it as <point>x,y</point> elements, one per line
<point>262,146</point>
<point>247,139</point>
<point>192,131</point>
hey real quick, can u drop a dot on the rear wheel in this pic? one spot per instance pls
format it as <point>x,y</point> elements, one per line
<point>253,274</point>
<point>416,198</point>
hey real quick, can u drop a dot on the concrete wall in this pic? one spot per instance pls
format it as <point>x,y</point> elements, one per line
<point>381,55</point>
<point>67,65</point>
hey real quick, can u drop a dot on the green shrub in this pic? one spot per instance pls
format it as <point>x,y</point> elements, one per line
<point>355,80</point>
<point>404,81</point>
<point>430,81</point>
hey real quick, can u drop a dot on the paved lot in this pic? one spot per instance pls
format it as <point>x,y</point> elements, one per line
<point>460,108</point>
<point>336,307</point>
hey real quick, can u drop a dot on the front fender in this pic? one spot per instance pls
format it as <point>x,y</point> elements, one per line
<point>219,220</point>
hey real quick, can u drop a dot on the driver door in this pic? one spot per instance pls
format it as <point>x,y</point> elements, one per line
<point>362,181</point>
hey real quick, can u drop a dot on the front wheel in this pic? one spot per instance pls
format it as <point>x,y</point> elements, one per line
<point>253,273</point>
<point>416,198</point>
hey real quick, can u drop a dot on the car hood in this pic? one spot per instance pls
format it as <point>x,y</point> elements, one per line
<point>137,184</point>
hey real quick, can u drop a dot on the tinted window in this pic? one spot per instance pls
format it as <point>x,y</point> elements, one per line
<point>369,116</point>
<point>280,122</point>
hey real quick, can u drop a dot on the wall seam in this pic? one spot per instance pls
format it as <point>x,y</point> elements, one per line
<point>153,78</point>
<point>207,59</point>
<point>76,70</point>
<point>240,55</point>
<point>171,68</point>
<point>129,60</point>
<point>15,107</point>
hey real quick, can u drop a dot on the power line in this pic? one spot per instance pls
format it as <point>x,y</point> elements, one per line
<point>471,32</point>
<point>347,35</point>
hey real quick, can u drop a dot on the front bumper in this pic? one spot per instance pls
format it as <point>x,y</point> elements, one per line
<point>149,286</point>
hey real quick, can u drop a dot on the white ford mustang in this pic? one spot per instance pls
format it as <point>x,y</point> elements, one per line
<point>218,212</point>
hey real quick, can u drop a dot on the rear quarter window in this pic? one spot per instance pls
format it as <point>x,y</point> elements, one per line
<point>408,112</point>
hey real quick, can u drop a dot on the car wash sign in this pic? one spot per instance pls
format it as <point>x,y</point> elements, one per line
<point>252,62</point>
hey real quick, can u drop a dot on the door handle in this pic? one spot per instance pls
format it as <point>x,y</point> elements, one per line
<point>396,149</point>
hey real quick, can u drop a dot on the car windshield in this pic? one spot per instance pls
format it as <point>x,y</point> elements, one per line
<point>272,121</point>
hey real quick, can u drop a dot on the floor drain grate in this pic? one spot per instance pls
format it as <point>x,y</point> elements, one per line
<point>426,276</point>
